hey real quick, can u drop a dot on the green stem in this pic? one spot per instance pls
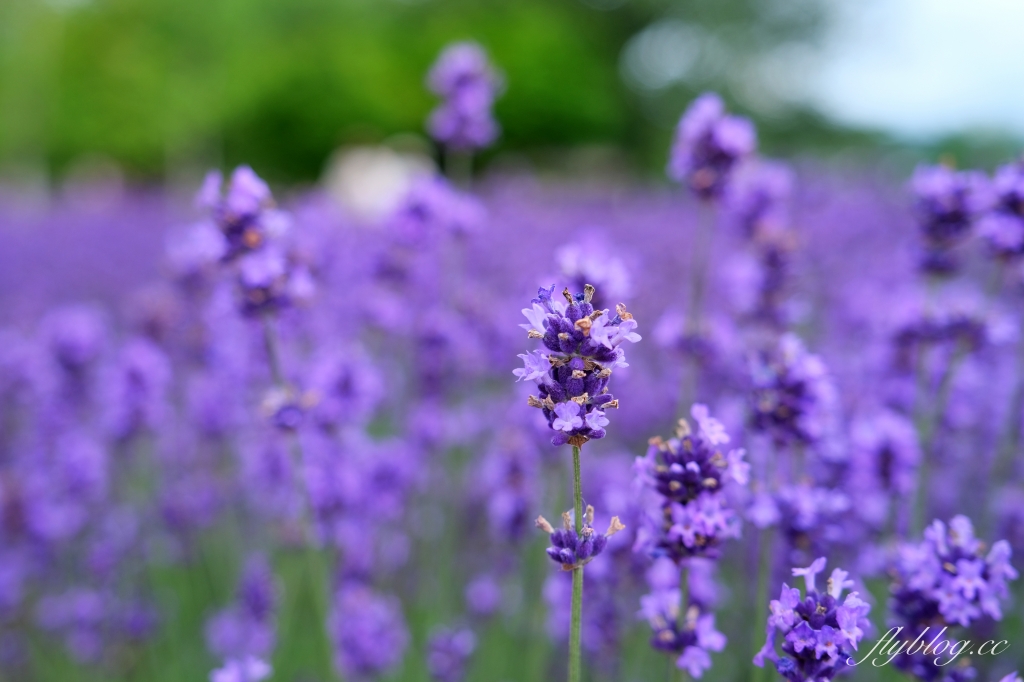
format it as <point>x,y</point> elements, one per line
<point>684,604</point>
<point>761,603</point>
<point>458,166</point>
<point>694,315</point>
<point>575,662</point>
<point>316,564</point>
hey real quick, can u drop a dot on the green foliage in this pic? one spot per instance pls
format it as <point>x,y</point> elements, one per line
<point>281,83</point>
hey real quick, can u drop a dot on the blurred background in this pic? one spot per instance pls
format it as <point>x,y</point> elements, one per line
<point>155,90</point>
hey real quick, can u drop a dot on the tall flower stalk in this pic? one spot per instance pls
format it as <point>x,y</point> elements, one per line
<point>581,349</point>
<point>686,517</point>
<point>708,146</point>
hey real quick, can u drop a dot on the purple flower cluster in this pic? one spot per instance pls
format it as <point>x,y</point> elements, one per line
<point>573,549</point>
<point>447,653</point>
<point>249,669</point>
<point>708,145</point>
<point>946,580</point>
<point>792,393</point>
<point>946,203</point>
<point>1002,225</point>
<point>689,635</point>
<point>583,348</point>
<point>684,478</point>
<point>253,236</point>
<point>819,634</point>
<point>246,629</point>
<point>949,577</point>
<point>367,630</point>
<point>464,77</point>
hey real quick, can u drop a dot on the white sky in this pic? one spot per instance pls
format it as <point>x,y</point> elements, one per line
<point>920,68</point>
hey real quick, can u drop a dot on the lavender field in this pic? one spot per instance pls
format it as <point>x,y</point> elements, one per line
<point>506,428</point>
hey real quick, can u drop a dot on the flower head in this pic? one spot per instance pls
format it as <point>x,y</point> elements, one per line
<point>708,144</point>
<point>464,77</point>
<point>573,549</point>
<point>582,347</point>
<point>819,631</point>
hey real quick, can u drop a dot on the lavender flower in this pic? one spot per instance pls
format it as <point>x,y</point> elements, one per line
<point>592,262</point>
<point>483,594</point>
<point>1002,226</point>
<point>583,347</point>
<point>249,669</point>
<point>247,629</point>
<point>683,478</point>
<point>946,203</point>
<point>949,575</point>
<point>793,395</point>
<point>571,549</point>
<point>819,634</point>
<point>433,209</point>
<point>464,77</point>
<point>708,145</point>
<point>690,635</point>
<point>756,198</point>
<point>367,630</point>
<point>243,213</point>
<point>448,651</point>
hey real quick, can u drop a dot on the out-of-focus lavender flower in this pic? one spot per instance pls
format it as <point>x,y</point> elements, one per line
<point>137,389</point>
<point>684,631</point>
<point>464,77</point>
<point>814,518</point>
<point>75,336</point>
<point>594,264</point>
<point>883,466</point>
<point>65,487</point>
<point>80,616</point>
<point>583,347</point>
<point>946,203</point>
<point>244,213</point>
<point>757,196</point>
<point>447,653</point>
<point>367,630</point>
<point>955,326</point>
<point>572,549</point>
<point>507,483</point>
<point>433,209</point>
<point>483,594</point>
<point>949,574</point>
<point>194,252</point>
<point>819,634</point>
<point>269,280</point>
<point>682,481</point>
<point>1003,225</point>
<point>689,635</point>
<point>793,396</point>
<point>946,579</point>
<point>246,628</point>
<point>708,144</point>
<point>249,669</point>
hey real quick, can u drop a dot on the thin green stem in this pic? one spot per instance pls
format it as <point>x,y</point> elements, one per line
<point>458,166</point>
<point>575,660</point>
<point>684,605</point>
<point>694,324</point>
<point>764,566</point>
<point>317,565</point>
<point>273,356</point>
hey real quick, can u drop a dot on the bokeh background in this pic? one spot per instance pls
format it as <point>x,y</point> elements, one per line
<point>161,88</point>
<point>112,112</point>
